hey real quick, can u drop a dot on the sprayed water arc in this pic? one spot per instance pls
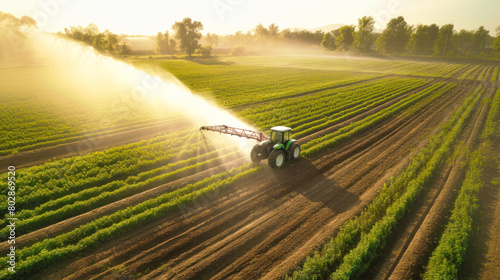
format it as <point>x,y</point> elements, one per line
<point>88,72</point>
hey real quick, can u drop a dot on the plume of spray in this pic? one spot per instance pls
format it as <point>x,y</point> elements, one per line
<point>87,72</point>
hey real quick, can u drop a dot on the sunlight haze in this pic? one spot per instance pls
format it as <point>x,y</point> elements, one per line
<point>229,16</point>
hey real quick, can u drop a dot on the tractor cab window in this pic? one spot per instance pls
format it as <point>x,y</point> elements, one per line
<point>286,136</point>
<point>277,137</point>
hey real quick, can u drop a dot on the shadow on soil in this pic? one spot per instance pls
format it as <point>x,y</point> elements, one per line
<point>301,176</point>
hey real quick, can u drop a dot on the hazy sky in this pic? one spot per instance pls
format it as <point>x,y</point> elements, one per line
<point>147,17</point>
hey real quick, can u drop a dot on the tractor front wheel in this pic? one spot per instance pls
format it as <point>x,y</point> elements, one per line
<point>276,159</point>
<point>295,150</point>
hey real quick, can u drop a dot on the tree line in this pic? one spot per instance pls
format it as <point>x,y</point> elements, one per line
<point>102,41</point>
<point>399,37</point>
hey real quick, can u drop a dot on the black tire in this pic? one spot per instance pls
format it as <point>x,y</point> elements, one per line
<point>295,150</point>
<point>276,159</point>
<point>254,154</point>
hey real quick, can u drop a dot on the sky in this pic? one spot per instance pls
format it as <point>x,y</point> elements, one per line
<point>147,17</point>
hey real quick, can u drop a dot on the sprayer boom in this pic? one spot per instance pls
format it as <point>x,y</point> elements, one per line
<point>250,134</point>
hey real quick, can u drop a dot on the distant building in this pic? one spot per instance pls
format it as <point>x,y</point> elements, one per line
<point>136,44</point>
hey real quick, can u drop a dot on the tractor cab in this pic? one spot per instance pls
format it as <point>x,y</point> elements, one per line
<point>280,134</point>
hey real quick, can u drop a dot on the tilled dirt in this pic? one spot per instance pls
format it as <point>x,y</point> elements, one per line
<point>265,227</point>
<point>410,246</point>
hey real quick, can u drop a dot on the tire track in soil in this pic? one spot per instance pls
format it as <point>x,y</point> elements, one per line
<point>268,198</point>
<point>408,250</point>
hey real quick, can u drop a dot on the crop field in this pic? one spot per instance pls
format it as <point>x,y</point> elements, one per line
<point>398,176</point>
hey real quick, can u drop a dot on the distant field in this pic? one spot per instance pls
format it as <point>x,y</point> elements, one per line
<point>41,109</point>
<point>384,141</point>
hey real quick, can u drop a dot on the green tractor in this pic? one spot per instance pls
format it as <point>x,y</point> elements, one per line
<point>277,149</point>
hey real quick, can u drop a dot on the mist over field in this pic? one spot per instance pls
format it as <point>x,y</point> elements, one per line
<point>187,152</point>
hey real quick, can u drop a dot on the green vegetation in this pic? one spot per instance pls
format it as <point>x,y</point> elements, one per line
<point>47,111</point>
<point>349,253</point>
<point>347,132</point>
<point>236,84</point>
<point>90,235</point>
<point>314,112</point>
<point>450,252</point>
<point>309,94</point>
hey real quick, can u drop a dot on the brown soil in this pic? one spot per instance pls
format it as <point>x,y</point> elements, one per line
<point>265,227</point>
<point>409,248</point>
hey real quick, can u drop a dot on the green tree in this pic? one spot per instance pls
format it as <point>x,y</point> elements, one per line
<point>423,39</point>
<point>165,43</point>
<point>159,39</point>
<point>172,44</point>
<point>464,41</point>
<point>496,44</point>
<point>445,44</point>
<point>346,38</point>
<point>212,39</point>
<point>479,38</point>
<point>261,32</point>
<point>101,41</point>
<point>188,33</point>
<point>111,40</point>
<point>328,42</point>
<point>395,37</point>
<point>364,37</point>
<point>273,31</point>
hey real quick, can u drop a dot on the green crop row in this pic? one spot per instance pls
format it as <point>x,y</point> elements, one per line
<point>43,112</point>
<point>495,75</point>
<point>236,84</point>
<point>429,69</point>
<point>170,171</point>
<point>467,74</point>
<point>304,112</point>
<point>320,264</point>
<point>342,107</point>
<point>349,131</point>
<point>55,179</point>
<point>450,252</point>
<point>91,235</point>
<point>358,259</point>
<point>117,190</point>
<point>370,103</point>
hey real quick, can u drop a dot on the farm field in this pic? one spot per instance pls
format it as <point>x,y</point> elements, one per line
<point>400,160</point>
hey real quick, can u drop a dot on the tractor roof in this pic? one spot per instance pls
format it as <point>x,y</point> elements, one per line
<point>281,128</point>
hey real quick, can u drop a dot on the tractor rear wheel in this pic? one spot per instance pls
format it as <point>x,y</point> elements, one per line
<point>276,159</point>
<point>295,150</point>
<point>254,154</point>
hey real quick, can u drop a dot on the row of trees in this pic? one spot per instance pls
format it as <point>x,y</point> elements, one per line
<point>101,41</point>
<point>164,44</point>
<point>187,32</point>
<point>400,37</point>
<point>265,37</point>
<point>346,38</point>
